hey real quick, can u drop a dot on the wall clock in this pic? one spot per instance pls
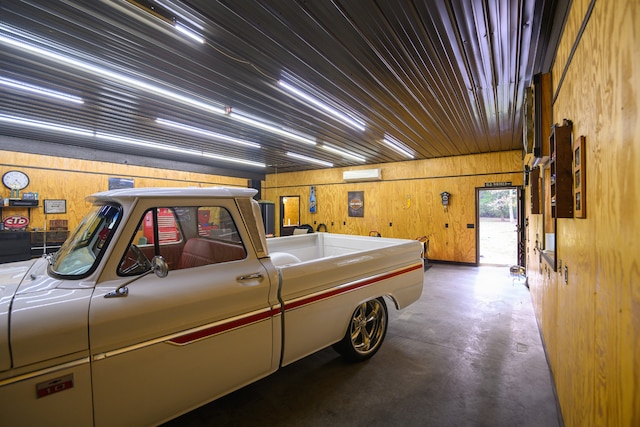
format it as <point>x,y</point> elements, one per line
<point>15,180</point>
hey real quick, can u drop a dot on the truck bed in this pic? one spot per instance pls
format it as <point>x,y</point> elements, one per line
<point>313,246</point>
<point>322,276</point>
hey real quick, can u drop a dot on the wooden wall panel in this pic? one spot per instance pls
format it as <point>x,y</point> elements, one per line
<point>74,180</point>
<point>591,322</point>
<point>406,203</point>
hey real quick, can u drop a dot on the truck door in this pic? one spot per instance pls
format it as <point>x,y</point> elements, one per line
<point>177,342</point>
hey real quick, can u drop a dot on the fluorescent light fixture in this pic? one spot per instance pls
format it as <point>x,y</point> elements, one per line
<point>345,154</point>
<point>309,159</point>
<point>397,146</point>
<point>39,90</point>
<point>188,32</point>
<point>244,118</point>
<point>213,135</point>
<point>344,118</point>
<point>143,143</point>
<point>69,61</point>
<point>234,160</point>
<point>147,144</point>
<point>22,121</point>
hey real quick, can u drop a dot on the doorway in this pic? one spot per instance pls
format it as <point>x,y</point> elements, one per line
<point>289,214</point>
<point>498,222</point>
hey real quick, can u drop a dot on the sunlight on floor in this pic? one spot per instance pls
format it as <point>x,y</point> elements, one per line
<point>498,241</point>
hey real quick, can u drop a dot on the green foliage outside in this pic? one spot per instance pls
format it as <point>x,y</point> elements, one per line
<point>498,203</point>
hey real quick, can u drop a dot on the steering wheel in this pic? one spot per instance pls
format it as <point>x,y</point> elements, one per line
<point>135,261</point>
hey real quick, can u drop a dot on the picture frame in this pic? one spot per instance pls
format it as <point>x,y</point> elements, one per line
<point>55,206</point>
<point>355,202</point>
<point>579,178</point>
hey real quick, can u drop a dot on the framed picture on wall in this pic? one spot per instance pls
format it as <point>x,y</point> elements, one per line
<point>55,206</point>
<point>356,203</point>
<point>579,178</point>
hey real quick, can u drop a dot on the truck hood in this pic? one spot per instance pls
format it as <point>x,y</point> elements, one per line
<point>41,317</point>
<point>13,273</point>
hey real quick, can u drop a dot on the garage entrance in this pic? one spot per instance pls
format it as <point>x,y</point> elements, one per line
<point>498,225</point>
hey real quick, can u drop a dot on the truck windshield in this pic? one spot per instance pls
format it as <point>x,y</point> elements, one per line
<point>84,247</point>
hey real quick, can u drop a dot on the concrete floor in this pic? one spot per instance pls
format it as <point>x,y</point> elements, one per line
<point>468,353</point>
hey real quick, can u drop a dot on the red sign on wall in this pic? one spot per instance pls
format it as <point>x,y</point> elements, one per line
<point>15,222</point>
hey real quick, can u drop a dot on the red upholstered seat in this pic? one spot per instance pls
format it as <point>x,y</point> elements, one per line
<point>199,251</point>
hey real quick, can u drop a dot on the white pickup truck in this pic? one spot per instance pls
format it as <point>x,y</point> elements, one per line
<point>162,300</point>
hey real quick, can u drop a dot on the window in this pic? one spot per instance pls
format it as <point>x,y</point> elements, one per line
<point>185,236</point>
<point>81,253</point>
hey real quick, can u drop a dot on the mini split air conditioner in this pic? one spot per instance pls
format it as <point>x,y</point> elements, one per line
<point>362,175</point>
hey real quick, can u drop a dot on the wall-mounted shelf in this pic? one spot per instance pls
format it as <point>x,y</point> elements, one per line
<point>28,208</point>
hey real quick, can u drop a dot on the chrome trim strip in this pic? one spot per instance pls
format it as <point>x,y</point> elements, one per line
<point>44,371</point>
<point>201,332</point>
<point>346,287</point>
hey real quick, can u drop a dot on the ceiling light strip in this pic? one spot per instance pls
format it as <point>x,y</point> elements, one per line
<point>397,146</point>
<point>22,121</point>
<point>15,84</point>
<point>344,118</point>
<point>213,135</point>
<point>147,144</point>
<point>270,128</point>
<point>188,32</point>
<point>309,159</point>
<point>344,154</point>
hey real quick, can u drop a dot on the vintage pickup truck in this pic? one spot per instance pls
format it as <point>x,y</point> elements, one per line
<point>162,300</point>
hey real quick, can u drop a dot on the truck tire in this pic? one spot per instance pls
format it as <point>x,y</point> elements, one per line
<point>366,331</point>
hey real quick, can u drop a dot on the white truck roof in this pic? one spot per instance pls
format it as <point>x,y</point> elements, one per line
<point>172,192</point>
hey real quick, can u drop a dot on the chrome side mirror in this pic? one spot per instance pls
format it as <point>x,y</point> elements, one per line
<point>158,266</point>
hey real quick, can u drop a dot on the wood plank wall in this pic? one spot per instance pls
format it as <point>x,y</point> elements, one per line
<point>73,180</point>
<point>591,322</point>
<point>406,203</point>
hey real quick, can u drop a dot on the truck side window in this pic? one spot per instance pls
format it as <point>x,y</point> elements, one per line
<point>187,237</point>
<point>217,240</point>
<point>169,236</point>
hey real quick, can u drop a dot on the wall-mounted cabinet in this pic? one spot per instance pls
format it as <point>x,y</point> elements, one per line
<point>558,187</point>
<point>561,169</point>
<point>535,190</point>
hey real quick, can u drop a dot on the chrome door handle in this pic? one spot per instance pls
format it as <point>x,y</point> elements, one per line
<point>250,276</point>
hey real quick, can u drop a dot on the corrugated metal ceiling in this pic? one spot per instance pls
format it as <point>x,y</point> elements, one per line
<point>441,77</point>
